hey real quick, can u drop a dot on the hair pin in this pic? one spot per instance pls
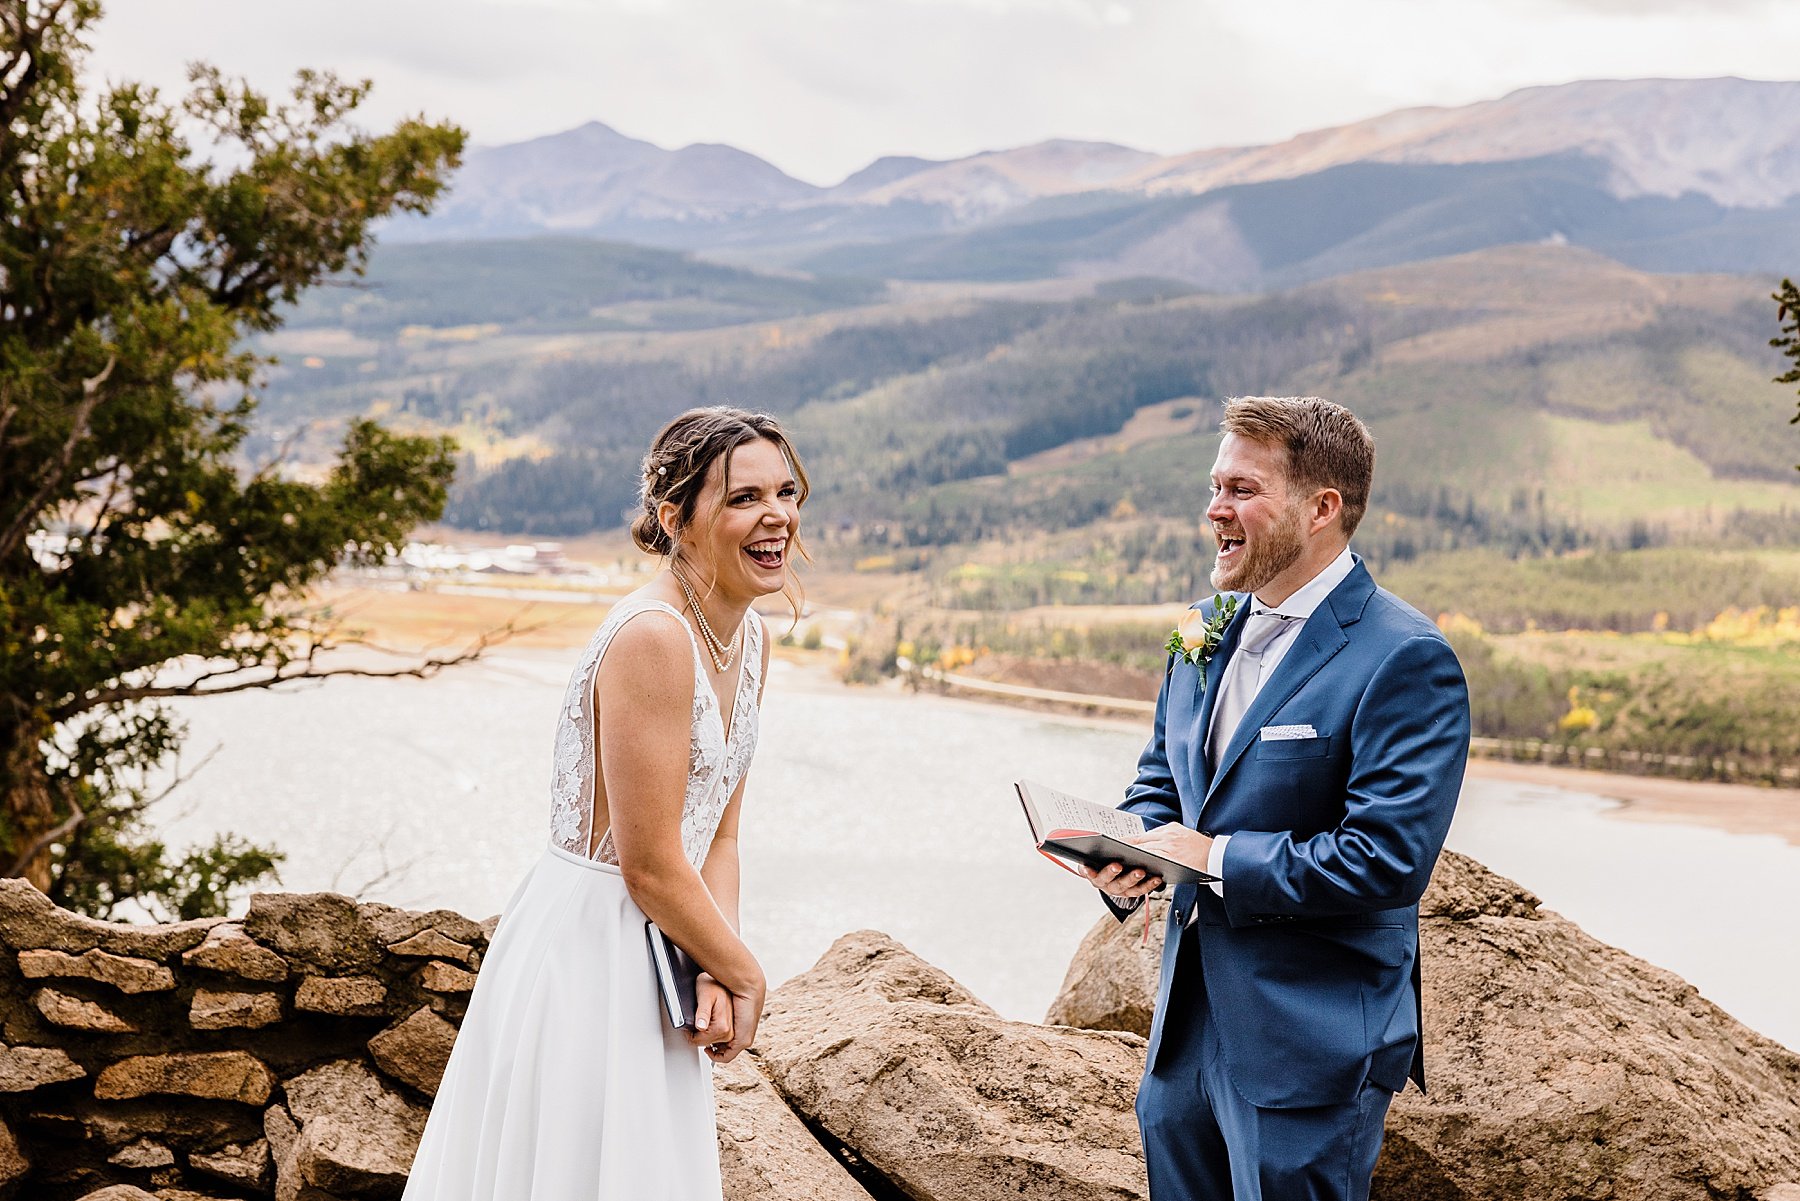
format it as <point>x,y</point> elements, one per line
<point>664,470</point>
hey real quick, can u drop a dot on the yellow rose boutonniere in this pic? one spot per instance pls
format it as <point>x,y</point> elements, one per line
<point>1196,637</point>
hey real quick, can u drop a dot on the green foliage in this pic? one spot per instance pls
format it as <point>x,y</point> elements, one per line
<point>122,864</point>
<point>1508,698</point>
<point>607,410</point>
<point>1136,645</point>
<point>1618,591</point>
<point>1787,312</point>
<point>922,421</point>
<point>139,557</point>
<point>871,655</point>
<point>1657,706</point>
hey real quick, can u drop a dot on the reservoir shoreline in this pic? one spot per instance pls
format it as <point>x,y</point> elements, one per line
<point>401,618</point>
<point>432,794</point>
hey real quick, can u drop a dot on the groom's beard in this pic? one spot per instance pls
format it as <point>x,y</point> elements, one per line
<point>1265,556</point>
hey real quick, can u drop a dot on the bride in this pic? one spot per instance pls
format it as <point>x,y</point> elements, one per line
<point>566,1080</point>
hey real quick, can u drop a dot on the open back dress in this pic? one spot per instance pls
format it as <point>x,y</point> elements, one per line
<point>566,1081</point>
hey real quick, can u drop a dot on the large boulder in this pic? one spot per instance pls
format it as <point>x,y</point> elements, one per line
<point>327,932</point>
<point>1559,1067</point>
<point>1111,981</point>
<point>123,972</point>
<point>356,1137</point>
<point>765,1151</point>
<point>337,936</point>
<point>25,1068</point>
<point>932,1096</point>
<point>213,1075</point>
<point>229,950</point>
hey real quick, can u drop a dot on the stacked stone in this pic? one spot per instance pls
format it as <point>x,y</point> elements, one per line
<point>290,1054</point>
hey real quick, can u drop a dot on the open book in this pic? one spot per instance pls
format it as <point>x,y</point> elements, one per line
<point>677,978</point>
<point>1067,827</point>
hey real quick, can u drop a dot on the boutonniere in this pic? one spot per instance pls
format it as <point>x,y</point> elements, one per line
<point>1196,637</point>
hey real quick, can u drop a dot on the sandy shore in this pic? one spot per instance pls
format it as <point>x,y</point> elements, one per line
<point>1735,808</point>
<point>434,620</point>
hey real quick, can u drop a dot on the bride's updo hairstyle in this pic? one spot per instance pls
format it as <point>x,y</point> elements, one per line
<point>675,471</point>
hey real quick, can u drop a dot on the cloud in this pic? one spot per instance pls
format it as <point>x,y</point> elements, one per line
<point>821,87</point>
<point>1643,8</point>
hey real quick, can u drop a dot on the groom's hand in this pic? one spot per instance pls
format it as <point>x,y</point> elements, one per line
<point>1121,882</point>
<point>1183,844</point>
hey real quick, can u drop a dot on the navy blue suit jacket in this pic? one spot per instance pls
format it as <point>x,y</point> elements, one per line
<point>1309,963</point>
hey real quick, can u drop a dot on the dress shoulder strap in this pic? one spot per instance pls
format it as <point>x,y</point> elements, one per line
<point>572,778</point>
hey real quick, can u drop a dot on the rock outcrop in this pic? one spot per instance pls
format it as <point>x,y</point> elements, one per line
<point>1559,1067</point>
<point>294,1054</point>
<point>1111,982</point>
<point>931,1096</point>
<point>766,1152</point>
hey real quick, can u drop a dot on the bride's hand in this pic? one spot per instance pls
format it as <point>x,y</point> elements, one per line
<point>712,1013</point>
<point>746,1012</point>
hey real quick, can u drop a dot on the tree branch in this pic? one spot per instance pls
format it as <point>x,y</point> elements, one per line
<point>114,481</point>
<point>181,777</point>
<point>282,454</point>
<point>27,49</point>
<point>308,670</point>
<point>388,871</point>
<point>37,845</point>
<point>54,472</point>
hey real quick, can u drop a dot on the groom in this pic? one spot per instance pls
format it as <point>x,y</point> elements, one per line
<point>1312,761</point>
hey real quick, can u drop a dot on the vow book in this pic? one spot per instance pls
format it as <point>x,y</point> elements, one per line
<point>1069,828</point>
<point>677,978</point>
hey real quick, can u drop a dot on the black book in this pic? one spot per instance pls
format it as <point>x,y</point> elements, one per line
<point>677,978</point>
<point>1069,828</point>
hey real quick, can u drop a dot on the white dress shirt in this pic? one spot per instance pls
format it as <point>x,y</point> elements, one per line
<point>1308,597</point>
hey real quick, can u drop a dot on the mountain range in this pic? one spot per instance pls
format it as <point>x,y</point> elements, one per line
<point>1661,174</point>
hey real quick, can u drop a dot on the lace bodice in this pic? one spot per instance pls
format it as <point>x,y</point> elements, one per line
<point>714,768</point>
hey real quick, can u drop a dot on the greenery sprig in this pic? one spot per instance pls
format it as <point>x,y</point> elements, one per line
<point>1196,637</point>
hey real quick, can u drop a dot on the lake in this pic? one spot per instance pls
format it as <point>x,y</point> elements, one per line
<point>878,808</point>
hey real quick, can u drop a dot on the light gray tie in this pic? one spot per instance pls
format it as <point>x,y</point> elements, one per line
<point>1243,676</point>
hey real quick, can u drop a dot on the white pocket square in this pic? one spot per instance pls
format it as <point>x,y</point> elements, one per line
<point>1286,733</point>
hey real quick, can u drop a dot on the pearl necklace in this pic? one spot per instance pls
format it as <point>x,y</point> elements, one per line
<point>721,653</point>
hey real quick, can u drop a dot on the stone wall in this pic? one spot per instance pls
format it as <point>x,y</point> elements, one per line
<point>292,1053</point>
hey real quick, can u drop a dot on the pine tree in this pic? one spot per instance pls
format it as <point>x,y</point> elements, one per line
<point>140,557</point>
<point>1787,312</point>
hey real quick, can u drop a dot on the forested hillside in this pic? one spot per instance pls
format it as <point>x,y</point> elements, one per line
<point>561,284</point>
<point>1529,400</point>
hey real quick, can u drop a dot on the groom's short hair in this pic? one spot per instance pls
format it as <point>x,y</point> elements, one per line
<point>1327,446</point>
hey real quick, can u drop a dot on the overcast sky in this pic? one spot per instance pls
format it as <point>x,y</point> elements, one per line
<point>821,87</point>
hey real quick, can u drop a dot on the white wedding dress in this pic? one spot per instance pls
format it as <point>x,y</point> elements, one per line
<point>566,1082</point>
